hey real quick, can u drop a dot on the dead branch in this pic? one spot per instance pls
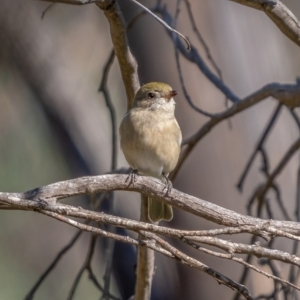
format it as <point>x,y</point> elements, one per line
<point>47,197</point>
<point>283,18</point>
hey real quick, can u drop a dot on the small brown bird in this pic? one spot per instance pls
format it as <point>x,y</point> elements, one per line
<point>151,139</point>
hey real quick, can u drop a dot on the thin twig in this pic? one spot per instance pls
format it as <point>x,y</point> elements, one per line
<point>163,23</point>
<point>46,10</point>
<point>206,48</point>
<point>201,39</point>
<point>245,273</point>
<point>234,247</point>
<point>265,159</point>
<point>180,256</point>
<point>163,247</point>
<point>292,274</point>
<point>87,266</point>
<point>259,146</point>
<point>295,117</point>
<point>297,209</point>
<point>108,269</point>
<point>195,57</point>
<point>83,268</point>
<point>104,89</point>
<point>131,23</point>
<point>285,159</point>
<point>109,252</point>
<point>273,89</point>
<point>240,261</point>
<point>263,230</point>
<point>280,202</point>
<point>253,249</point>
<point>185,92</point>
<point>59,255</point>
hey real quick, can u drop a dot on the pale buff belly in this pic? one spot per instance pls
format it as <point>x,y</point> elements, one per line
<point>152,151</point>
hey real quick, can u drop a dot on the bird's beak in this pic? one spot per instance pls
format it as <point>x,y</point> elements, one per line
<point>171,94</point>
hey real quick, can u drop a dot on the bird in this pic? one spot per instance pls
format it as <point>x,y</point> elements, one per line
<point>150,139</point>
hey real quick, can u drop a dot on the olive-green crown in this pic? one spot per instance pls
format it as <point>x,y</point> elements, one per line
<point>160,87</point>
<point>156,86</point>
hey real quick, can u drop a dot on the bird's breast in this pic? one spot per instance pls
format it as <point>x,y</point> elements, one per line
<point>150,141</point>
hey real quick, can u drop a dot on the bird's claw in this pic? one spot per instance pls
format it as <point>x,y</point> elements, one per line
<point>168,186</point>
<point>131,177</point>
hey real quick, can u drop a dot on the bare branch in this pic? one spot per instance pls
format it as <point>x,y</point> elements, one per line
<point>221,279</point>
<point>297,208</point>
<point>46,198</point>
<point>246,270</point>
<point>109,251</point>
<point>60,254</point>
<point>195,57</point>
<point>284,19</point>
<point>104,89</point>
<point>163,23</point>
<point>47,9</point>
<point>201,39</point>
<point>259,146</point>
<point>281,92</point>
<point>241,261</point>
<point>295,117</point>
<point>127,62</point>
<point>145,260</point>
<point>254,249</point>
<point>185,92</point>
<point>82,269</point>
<point>87,267</point>
<point>162,247</point>
<point>285,159</point>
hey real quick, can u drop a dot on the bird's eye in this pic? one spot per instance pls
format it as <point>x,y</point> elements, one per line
<point>151,95</point>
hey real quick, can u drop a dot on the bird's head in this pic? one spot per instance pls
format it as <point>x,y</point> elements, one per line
<point>154,94</point>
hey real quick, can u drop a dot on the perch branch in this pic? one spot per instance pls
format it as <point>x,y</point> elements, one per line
<point>46,198</point>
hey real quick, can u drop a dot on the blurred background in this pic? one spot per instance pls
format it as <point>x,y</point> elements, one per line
<point>55,125</point>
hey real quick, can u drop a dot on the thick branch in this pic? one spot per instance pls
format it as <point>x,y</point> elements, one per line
<point>284,19</point>
<point>145,266</point>
<point>46,197</point>
<point>127,62</point>
<point>44,200</point>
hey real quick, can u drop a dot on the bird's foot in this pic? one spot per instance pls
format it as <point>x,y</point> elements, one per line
<point>131,177</point>
<point>168,186</point>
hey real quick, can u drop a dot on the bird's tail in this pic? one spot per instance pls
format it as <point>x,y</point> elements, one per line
<point>157,210</point>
